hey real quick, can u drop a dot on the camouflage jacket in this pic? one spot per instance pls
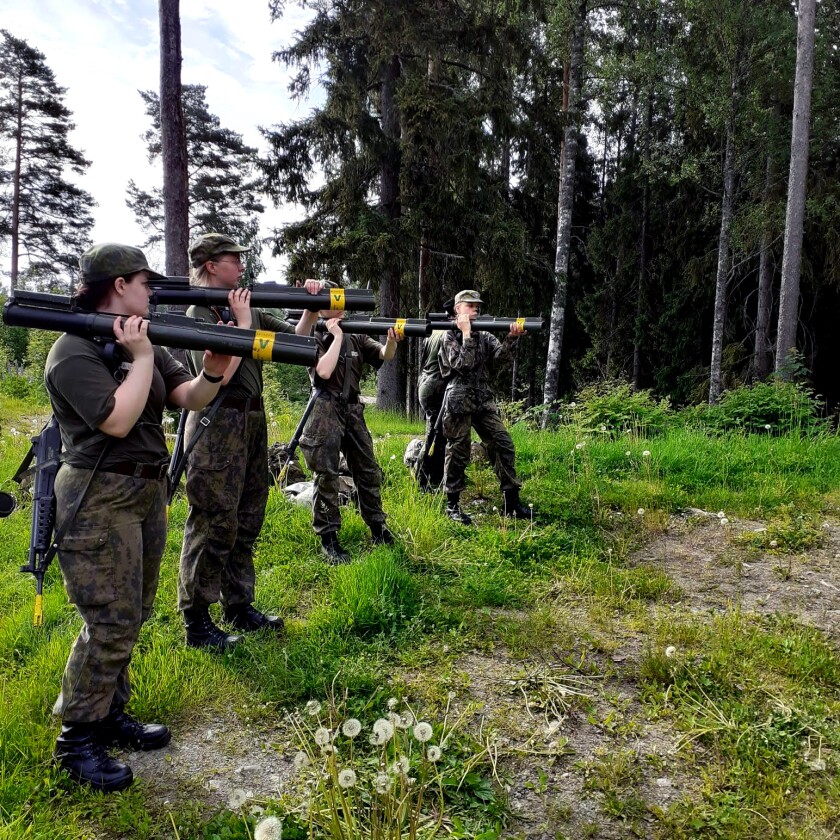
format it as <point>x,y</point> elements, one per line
<point>468,367</point>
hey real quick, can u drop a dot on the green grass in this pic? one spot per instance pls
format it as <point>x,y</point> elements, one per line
<point>743,693</point>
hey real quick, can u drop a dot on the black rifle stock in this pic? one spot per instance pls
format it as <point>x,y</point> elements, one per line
<point>55,312</point>
<point>178,291</point>
<point>488,323</point>
<point>295,441</point>
<point>377,325</point>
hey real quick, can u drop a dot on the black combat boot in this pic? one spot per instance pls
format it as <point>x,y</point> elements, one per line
<point>381,535</point>
<point>453,509</point>
<point>514,508</point>
<point>248,618</point>
<point>332,550</point>
<point>81,753</point>
<point>202,633</point>
<point>122,730</point>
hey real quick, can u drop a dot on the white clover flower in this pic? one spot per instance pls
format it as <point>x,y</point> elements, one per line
<point>301,760</point>
<point>641,511</point>
<point>322,736</point>
<point>670,651</point>
<point>347,778</point>
<point>271,828</point>
<point>724,521</point>
<point>383,730</point>
<point>646,453</point>
<point>393,703</point>
<point>423,732</point>
<point>313,707</point>
<point>580,445</point>
<point>433,753</point>
<point>351,727</point>
<point>382,783</point>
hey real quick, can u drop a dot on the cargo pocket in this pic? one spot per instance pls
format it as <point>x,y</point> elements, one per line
<point>312,448</point>
<point>87,564</point>
<point>211,480</point>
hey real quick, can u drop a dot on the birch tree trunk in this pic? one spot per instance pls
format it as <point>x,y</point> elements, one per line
<point>173,141</point>
<point>795,215</point>
<point>565,202</point>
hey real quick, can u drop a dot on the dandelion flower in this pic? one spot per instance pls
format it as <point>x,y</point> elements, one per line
<point>351,727</point>
<point>393,703</point>
<point>580,445</point>
<point>301,760</point>
<point>270,828</point>
<point>646,453</point>
<point>423,732</point>
<point>382,783</point>
<point>670,651</point>
<point>724,521</point>
<point>433,753</point>
<point>313,707</point>
<point>383,730</point>
<point>641,511</point>
<point>347,778</point>
<point>322,736</point>
<point>767,426</point>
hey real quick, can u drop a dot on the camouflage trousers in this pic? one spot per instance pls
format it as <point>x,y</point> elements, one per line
<point>487,421</point>
<point>430,393</point>
<point>334,427</point>
<point>227,488</point>
<point>110,560</point>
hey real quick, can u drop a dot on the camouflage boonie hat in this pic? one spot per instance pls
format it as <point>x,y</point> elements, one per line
<point>468,296</point>
<point>210,245</point>
<point>109,260</point>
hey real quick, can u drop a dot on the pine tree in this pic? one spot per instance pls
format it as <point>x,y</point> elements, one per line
<point>223,189</point>
<point>46,217</point>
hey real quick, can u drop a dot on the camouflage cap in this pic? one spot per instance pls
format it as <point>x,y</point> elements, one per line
<point>210,245</point>
<point>109,260</point>
<point>468,296</point>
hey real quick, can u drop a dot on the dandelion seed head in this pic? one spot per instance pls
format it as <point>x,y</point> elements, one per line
<point>670,651</point>
<point>271,828</point>
<point>628,453</point>
<point>603,428</point>
<point>580,445</point>
<point>322,736</point>
<point>641,511</point>
<point>301,760</point>
<point>724,521</point>
<point>382,783</point>
<point>767,426</point>
<point>383,730</point>
<point>347,778</point>
<point>774,543</point>
<point>572,405</point>
<point>351,727</point>
<point>393,703</point>
<point>433,753</point>
<point>393,457</point>
<point>313,707</point>
<point>646,453</point>
<point>423,732</point>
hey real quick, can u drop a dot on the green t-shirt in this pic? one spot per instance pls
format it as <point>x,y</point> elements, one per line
<point>81,387</point>
<point>247,382</point>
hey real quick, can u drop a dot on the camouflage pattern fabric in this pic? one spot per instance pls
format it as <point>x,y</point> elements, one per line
<point>227,488</point>
<point>336,427</point>
<point>110,560</point>
<point>283,470</point>
<point>431,387</point>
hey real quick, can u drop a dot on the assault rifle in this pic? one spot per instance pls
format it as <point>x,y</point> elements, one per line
<point>377,325</point>
<point>56,312</point>
<point>178,291</point>
<point>445,321</point>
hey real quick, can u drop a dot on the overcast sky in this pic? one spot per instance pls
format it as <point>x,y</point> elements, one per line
<point>104,51</point>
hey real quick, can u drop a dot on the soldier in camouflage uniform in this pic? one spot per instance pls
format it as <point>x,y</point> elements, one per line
<point>466,361</point>
<point>336,425</point>
<point>114,460</point>
<point>431,387</point>
<point>227,470</point>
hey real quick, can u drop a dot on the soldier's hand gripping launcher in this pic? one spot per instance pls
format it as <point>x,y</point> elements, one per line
<point>444,321</point>
<point>376,325</point>
<point>55,312</point>
<point>177,291</point>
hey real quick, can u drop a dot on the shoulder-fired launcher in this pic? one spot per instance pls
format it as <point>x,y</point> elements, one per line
<point>488,323</point>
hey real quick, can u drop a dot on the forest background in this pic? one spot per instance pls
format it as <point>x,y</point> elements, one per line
<point>435,161</point>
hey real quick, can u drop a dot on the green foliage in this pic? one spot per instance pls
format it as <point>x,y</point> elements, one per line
<point>774,407</point>
<point>17,387</point>
<point>615,408</point>
<point>788,530</point>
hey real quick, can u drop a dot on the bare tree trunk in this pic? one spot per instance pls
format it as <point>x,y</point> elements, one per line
<point>389,384</point>
<point>797,181</point>
<point>173,141</point>
<point>643,254</point>
<point>724,263</point>
<point>565,201</point>
<point>763,349</point>
<point>15,267</point>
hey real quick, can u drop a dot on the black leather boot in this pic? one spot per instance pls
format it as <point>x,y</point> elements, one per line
<point>80,752</point>
<point>381,535</point>
<point>248,618</point>
<point>514,508</point>
<point>122,730</point>
<point>453,509</point>
<point>332,550</point>
<point>202,633</point>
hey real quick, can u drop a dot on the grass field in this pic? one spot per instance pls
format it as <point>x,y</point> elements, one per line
<point>573,626</point>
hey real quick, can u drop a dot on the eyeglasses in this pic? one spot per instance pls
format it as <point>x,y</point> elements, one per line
<point>235,260</point>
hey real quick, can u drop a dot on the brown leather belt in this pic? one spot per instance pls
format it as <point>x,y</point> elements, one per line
<point>251,404</point>
<point>151,471</point>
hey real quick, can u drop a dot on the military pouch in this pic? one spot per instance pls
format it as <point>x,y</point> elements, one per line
<point>87,564</point>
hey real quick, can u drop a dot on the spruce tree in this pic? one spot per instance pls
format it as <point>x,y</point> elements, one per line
<point>223,188</point>
<point>46,218</point>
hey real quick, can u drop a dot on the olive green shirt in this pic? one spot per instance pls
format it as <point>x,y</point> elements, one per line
<point>357,350</point>
<point>247,382</point>
<point>81,388</point>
